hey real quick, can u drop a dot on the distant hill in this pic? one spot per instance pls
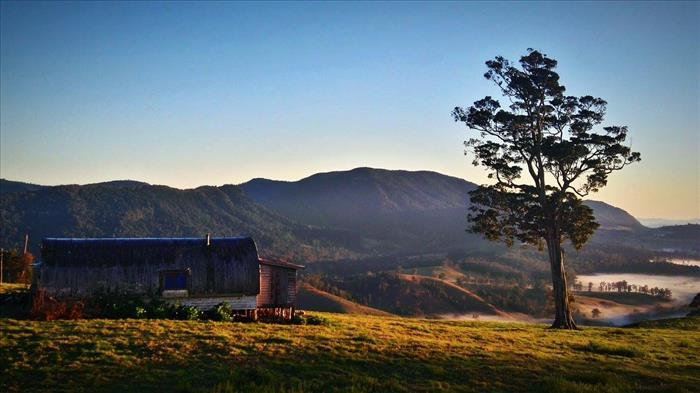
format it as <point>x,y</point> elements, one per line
<point>9,186</point>
<point>313,299</point>
<point>414,295</point>
<point>613,218</point>
<point>133,209</point>
<point>406,210</point>
<point>364,211</point>
<point>663,222</point>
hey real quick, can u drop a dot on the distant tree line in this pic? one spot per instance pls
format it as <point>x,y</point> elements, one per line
<point>624,287</point>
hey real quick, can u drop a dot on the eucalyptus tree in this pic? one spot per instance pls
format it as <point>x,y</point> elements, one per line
<point>544,151</point>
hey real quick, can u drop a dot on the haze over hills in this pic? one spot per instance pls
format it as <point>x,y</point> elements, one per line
<point>662,222</point>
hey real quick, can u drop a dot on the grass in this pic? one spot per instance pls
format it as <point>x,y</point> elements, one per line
<point>8,288</point>
<point>345,353</point>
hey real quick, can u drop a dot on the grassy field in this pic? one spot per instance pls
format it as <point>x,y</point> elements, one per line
<point>346,353</point>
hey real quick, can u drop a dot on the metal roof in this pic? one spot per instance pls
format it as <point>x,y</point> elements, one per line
<point>280,263</point>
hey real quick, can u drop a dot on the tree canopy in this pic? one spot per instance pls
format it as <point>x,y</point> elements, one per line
<point>543,150</point>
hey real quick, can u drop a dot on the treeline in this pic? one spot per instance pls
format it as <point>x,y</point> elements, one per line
<point>599,258</point>
<point>531,300</point>
<point>624,287</point>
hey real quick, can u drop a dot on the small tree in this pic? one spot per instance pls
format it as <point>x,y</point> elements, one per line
<point>544,156</point>
<point>17,267</point>
<point>595,313</point>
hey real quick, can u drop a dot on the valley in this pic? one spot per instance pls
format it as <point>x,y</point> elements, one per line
<point>373,241</point>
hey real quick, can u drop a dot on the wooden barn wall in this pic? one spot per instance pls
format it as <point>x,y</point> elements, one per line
<point>277,286</point>
<point>214,270</point>
<point>206,303</point>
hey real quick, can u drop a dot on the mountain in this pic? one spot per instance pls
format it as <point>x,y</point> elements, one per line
<point>407,211</point>
<point>133,209</point>
<point>9,186</point>
<point>613,218</point>
<point>356,197</point>
<point>334,215</point>
<point>396,211</point>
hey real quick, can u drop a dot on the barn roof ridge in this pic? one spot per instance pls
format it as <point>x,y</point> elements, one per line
<point>279,262</point>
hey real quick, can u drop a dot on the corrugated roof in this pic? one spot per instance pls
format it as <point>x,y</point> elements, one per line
<point>277,262</point>
<point>126,251</point>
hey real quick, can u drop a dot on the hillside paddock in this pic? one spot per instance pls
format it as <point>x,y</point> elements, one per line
<point>346,353</point>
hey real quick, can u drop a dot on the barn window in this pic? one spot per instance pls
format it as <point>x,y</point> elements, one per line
<point>174,283</point>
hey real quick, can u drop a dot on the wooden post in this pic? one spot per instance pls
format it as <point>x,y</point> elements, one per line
<point>26,242</point>
<point>2,254</point>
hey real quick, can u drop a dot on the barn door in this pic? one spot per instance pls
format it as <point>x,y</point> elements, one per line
<point>279,287</point>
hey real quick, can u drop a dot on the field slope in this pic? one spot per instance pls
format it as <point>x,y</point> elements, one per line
<point>310,298</point>
<point>346,353</point>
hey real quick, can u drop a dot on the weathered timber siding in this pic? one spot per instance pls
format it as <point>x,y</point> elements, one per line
<point>81,267</point>
<point>206,303</point>
<point>278,287</point>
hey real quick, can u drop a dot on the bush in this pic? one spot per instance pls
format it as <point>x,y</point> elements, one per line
<point>158,309</point>
<point>187,313</point>
<point>47,308</point>
<point>140,312</point>
<point>117,306</point>
<point>297,320</point>
<point>221,312</point>
<point>316,320</point>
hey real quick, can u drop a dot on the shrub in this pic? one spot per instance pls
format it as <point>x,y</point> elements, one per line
<point>316,320</point>
<point>221,312</point>
<point>158,309</point>
<point>189,313</point>
<point>118,306</point>
<point>140,312</point>
<point>46,308</point>
<point>298,320</point>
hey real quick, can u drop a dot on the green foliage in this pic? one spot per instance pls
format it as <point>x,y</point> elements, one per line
<point>221,312</point>
<point>186,313</point>
<point>550,138</point>
<point>116,306</point>
<point>317,320</point>
<point>158,309</point>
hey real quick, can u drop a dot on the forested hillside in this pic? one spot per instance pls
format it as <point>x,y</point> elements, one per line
<point>131,209</point>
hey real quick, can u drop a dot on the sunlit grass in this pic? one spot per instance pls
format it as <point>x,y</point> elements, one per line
<point>348,353</point>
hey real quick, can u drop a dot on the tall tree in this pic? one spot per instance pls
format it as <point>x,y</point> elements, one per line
<point>544,152</point>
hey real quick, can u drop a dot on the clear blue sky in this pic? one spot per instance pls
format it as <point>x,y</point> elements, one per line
<point>187,94</point>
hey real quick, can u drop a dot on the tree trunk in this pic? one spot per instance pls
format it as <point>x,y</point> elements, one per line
<point>563,318</point>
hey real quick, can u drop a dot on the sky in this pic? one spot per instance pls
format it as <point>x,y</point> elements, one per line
<point>189,94</point>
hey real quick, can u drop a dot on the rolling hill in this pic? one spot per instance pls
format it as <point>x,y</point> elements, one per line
<point>313,299</point>
<point>404,210</point>
<point>334,215</point>
<point>132,209</point>
<point>414,295</point>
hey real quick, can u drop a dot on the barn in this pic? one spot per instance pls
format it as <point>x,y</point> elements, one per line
<point>278,287</point>
<point>201,272</point>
